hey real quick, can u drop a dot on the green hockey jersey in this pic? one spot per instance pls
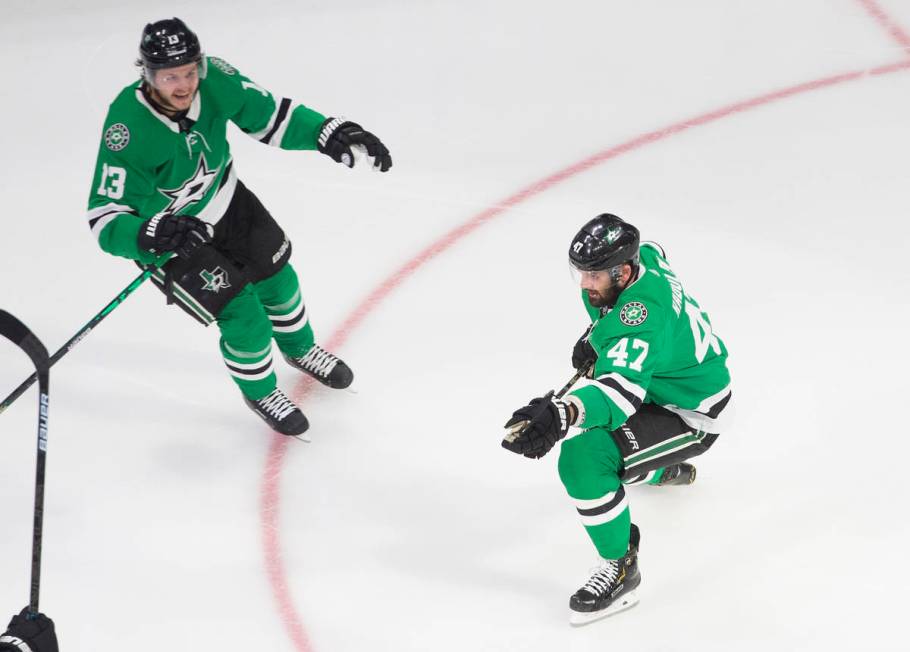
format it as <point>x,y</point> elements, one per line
<point>655,345</point>
<point>148,163</point>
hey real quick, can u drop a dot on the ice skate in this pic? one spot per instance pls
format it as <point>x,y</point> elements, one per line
<point>325,367</point>
<point>682,473</point>
<point>280,413</point>
<point>610,589</point>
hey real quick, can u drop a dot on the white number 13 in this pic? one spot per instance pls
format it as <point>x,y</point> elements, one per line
<point>113,179</point>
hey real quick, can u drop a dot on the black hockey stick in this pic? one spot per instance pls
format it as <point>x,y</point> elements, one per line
<point>515,434</point>
<point>14,330</point>
<point>78,337</point>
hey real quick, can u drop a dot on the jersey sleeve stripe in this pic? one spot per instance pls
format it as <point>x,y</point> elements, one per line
<point>623,399</point>
<point>100,217</point>
<point>281,115</point>
<point>627,385</point>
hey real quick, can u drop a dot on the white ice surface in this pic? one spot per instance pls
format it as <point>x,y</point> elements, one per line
<point>404,525</point>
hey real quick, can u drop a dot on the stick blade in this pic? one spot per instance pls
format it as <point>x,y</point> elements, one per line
<point>19,334</point>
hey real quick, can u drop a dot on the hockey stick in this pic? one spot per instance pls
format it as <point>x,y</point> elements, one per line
<point>14,330</point>
<point>515,434</point>
<point>75,339</point>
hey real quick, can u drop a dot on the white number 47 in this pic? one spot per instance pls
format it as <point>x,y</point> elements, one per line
<point>701,333</point>
<point>619,353</point>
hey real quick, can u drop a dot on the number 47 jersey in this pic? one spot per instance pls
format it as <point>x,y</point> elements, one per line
<point>656,346</point>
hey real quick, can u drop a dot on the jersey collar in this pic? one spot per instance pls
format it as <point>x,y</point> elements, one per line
<point>192,114</point>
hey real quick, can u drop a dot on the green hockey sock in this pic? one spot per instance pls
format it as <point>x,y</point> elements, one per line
<point>283,303</point>
<point>589,467</point>
<point>246,344</point>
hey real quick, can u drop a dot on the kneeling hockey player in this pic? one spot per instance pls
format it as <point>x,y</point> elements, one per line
<point>165,185</point>
<point>659,382</point>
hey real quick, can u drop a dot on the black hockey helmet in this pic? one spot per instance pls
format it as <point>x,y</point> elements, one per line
<point>604,243</point>
<point>168,43</point>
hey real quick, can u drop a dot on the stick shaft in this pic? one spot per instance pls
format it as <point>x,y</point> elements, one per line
<point>79,336</point>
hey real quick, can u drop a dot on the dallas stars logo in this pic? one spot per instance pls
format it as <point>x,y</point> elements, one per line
<point>633,313</point>
<point>215,280</point>
<point>613,234</point>
<point>192,190</point>
<point>117,137</point>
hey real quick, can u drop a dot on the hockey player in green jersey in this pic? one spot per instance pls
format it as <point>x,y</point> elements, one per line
<point>165,193</point>
<point>657,382</point>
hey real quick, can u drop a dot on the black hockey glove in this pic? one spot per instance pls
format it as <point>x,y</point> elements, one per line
<point>535,428</point>
<point>337,136</point>
<point>26,635</point>
<point>584,355</point>
<point>182,234</point>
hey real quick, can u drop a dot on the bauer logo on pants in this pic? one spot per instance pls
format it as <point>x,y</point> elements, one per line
<point>215,280</point>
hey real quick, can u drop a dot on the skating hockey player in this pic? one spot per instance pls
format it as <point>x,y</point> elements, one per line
<point>658,384</point>
<point>165,184</point>
<point>29,633</point>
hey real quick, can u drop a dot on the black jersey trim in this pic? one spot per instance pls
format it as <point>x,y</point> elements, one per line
<point>718,407</point>
<point>282,114</point>
<point>92,222</point>
<point>227,173</point>
<point>626,394</point>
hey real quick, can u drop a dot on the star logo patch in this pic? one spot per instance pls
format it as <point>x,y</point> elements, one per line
<point>193,189</point>
<point>633,313</point>
<point>215,280</point>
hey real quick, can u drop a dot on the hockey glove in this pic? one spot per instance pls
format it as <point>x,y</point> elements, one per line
<point>337,136</point>
<point>583,355</point>
<point>182,234</point>
<point>26,635</point>
<point>535,428</point>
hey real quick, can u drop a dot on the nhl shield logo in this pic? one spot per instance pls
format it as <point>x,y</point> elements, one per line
<point>633,313</point>
<point>215,280</point>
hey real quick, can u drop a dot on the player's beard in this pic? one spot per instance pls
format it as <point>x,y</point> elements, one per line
<point>605,299</point>
<point>165,102</point>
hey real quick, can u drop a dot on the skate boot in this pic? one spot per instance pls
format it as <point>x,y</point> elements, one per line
<point>611,588</point>
<point>328,369</point>
<point>682,473</point>
<point>280,413</point>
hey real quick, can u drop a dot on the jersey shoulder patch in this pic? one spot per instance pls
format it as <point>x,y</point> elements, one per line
<point>633,313</point>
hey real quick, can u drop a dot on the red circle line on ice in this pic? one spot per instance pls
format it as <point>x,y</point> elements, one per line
<point>270,494</point>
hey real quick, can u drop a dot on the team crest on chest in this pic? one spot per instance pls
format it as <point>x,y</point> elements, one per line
<point>633,313</point>
<point>215,280</point>
<point>193,189</point>
<point>117,137</point>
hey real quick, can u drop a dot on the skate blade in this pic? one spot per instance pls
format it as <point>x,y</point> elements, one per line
<point>304,438</point>
<point>627,601</point>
